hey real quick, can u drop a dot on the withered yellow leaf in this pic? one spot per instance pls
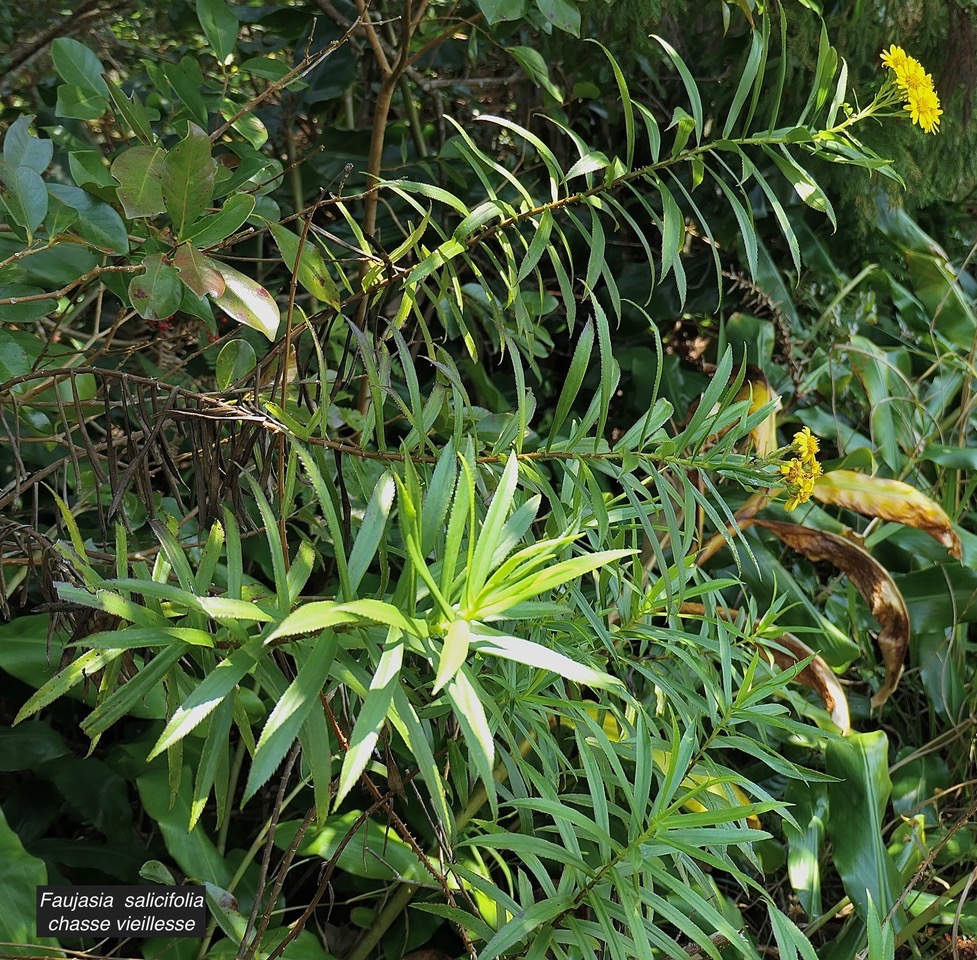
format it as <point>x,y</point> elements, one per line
<point>872,581</point>
<point>888,500</point>
<point>757,388</point>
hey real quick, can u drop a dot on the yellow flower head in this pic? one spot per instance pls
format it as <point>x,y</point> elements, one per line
<point>912,76</point>
<point>924,108</point>
<point>793,472</point>
<point>806,444</point>
<point>894,58</point>
<point>801,472</point>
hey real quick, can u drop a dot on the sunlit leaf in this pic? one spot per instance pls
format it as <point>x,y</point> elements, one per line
<point>247,301</point>
<point>889,500</point>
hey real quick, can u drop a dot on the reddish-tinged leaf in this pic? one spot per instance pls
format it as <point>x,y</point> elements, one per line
<point>197,272</point>
<point>872,581</point>
<point>247,301</point>
<point>890,500</point>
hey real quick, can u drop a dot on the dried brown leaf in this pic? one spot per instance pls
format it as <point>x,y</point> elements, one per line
<point>817,676</point>
<point>889,500</point>
<point>872,581</point>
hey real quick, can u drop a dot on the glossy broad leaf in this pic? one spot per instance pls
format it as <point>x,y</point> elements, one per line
<point>187,180</point>
<point>139,171</point>
<point>157,292</point>
<point>247,301</point>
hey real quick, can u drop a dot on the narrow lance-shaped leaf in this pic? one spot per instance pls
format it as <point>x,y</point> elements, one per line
<point>373,714</point>
<point>872,581</point>
<point>758,390</point>
<point>312,272</point>
<point>454,652</point>
<point>282,726</point>
<point>889,500</point>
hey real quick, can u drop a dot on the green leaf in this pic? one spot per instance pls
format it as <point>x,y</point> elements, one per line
<point>211,229</point>
<point>373,714</point>
<point>66,678</point>
<point>97,222</point>
<point>192,850</point>
<point>208,694</point>
<point>312,271</point>
<point>684,124</point>
<point>371,530</point>
<point>290,711</point>
<point>747,78</point>
<point>23,149</point>
<point>805,841</point>
<point>88,169</point>
<point>805,186</point>
<point>247,301</point>
<point>524,923</point>
<point>858,803</point>
<point>187,179</point>
<point>247,124</point>
<point>496,11</point>
<point>536,69</point>
<point>77,65</point>
<point>563,14</point>
<point>13,360</point>
<point>23,193</point>
<point>454,652</point>
<point>157,293</point>
<point>220,26</point>
<point>488,537</point>
<point>187,80</point>
<point>949,310</point>
<point>374,852</point>
<point>626,104</point>
<point>574,378</point>
<point>690,86</point>
<point>60,217</point>
<point>139,171</point>
<point>489,642</point>
<point>133,111</point>
<point>236,360</point>
<point>475,728</point>
<point>197,272</point>
<point>77,103</point>
<point>673,231</point>
<point>19,879</point>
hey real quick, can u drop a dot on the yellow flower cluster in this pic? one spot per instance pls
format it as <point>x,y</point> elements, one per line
<point>916,88</point>
<point>801,472</point>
